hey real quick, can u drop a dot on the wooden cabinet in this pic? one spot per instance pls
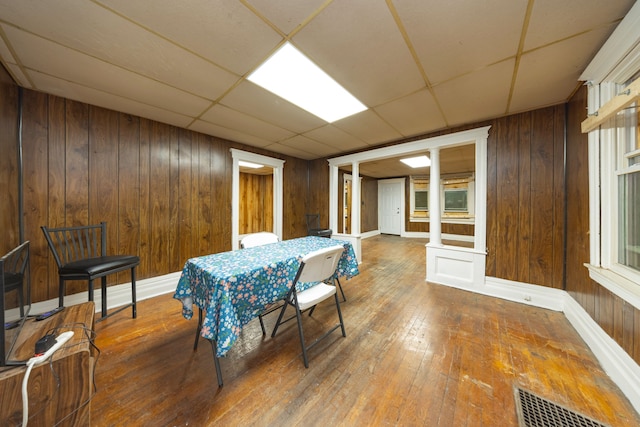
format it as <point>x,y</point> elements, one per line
<point>60,391</point>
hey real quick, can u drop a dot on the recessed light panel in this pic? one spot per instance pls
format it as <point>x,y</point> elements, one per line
<point>417,162</point>
<point>294,77</point>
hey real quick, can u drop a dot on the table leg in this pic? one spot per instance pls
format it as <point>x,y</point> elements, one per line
<point>198,329</point>
<point>216,361</point>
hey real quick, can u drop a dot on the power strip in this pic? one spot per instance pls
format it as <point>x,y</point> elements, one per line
<point>35,361</point>
<point>60,340</point>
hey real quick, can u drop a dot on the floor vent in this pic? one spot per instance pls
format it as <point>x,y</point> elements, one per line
<point>535,411</point>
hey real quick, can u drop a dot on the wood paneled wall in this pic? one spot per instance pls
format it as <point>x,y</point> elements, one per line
<point>369,204</point>
<point>538,210</point>
<point>368,200</point>
<point>256,203</point>
<point>525,197</point>
<point>615,316</point>
<point>165,192</point>
<point>8,163</point>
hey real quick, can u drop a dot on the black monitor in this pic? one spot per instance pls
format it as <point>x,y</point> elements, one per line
<point>15,300</point>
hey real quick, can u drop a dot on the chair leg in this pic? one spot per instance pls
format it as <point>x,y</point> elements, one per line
<point>198,329</point>
<point>275,328</point>
<point>90,290</point>
<point>61,292</point>
<point>304,347</point>
<point>344,334</point>
<point>216,361</point>
<point>341,291</point>
<point>134,310</point>
<point>103,286</point>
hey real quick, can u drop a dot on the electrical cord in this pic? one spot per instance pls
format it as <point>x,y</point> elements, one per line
<point>37,361</point>
<point>91,335</point>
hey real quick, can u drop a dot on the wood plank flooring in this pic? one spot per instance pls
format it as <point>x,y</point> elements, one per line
<point>416,354</point>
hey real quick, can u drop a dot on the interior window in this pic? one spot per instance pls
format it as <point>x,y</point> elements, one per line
<point>628,172</point>
<point>419,197</point>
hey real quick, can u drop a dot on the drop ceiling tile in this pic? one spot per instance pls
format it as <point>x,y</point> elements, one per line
<point>96,31</point>
<point>368,127</point>
<point>567,59</point>
<point>312,147</point>
<point>413,114</point>
<point>553,20</point>
<point>358,41</point>
<point>476,96</point>
<point>286,14</point>
<point>336,138</point>
<point>227,133</point>
<point>66,64</point>
<point>360,46</point>
<point>226,33</point>
<point>451,41</point>
<point>389,168</point>
<point>229,118</point>
<point>87,95</point>
<point>291,151</point>
<point>259,103</point>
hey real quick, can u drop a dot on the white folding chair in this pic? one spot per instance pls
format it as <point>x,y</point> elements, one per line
<point>258,239</point>
<point>317,267</point>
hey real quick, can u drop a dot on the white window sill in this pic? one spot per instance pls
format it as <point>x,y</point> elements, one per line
<point>466,220</point>
<point>621,286</point>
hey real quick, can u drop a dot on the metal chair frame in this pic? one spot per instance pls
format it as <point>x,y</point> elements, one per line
<point>81,254</point>
<point>313,226</point>
<point>320,275</point>
<point>14,267</point>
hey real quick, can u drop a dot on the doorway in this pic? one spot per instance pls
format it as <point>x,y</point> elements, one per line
<point>256,200</point>
<point>277,167</point>
<point>391,206</point>
<point>346,208</point>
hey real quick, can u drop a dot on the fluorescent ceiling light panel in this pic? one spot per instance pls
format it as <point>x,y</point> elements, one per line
<point>292,76</point>
<point>417,162</point>
<point>249,164</point>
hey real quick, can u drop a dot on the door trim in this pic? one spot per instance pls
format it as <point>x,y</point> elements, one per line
<point>400,181</point>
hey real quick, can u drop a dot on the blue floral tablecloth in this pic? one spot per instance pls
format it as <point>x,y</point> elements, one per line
<point>232,288</point>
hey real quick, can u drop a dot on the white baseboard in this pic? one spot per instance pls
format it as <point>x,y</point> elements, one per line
<point>615,361</point>
<point>622,369</point>
<point>118,295</point>
<point>525,293</point>
<point>368,234</point>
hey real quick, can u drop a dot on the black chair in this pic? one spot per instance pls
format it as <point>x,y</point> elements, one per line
<point>317,267</point>
<point>81,254</point>
<point>14,268</point>
<point>313,227</point>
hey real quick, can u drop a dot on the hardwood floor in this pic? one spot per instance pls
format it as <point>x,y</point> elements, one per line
<point>415,354</point>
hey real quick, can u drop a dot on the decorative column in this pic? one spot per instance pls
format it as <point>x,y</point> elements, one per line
<point>435,211</point>
<point>333,197</point>
<point>356,205</point>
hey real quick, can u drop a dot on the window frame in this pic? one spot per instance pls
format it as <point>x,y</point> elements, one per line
<point>615,63</point>
<point>605,165</point>
<point>448,216</point>
<point>423,214</point>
